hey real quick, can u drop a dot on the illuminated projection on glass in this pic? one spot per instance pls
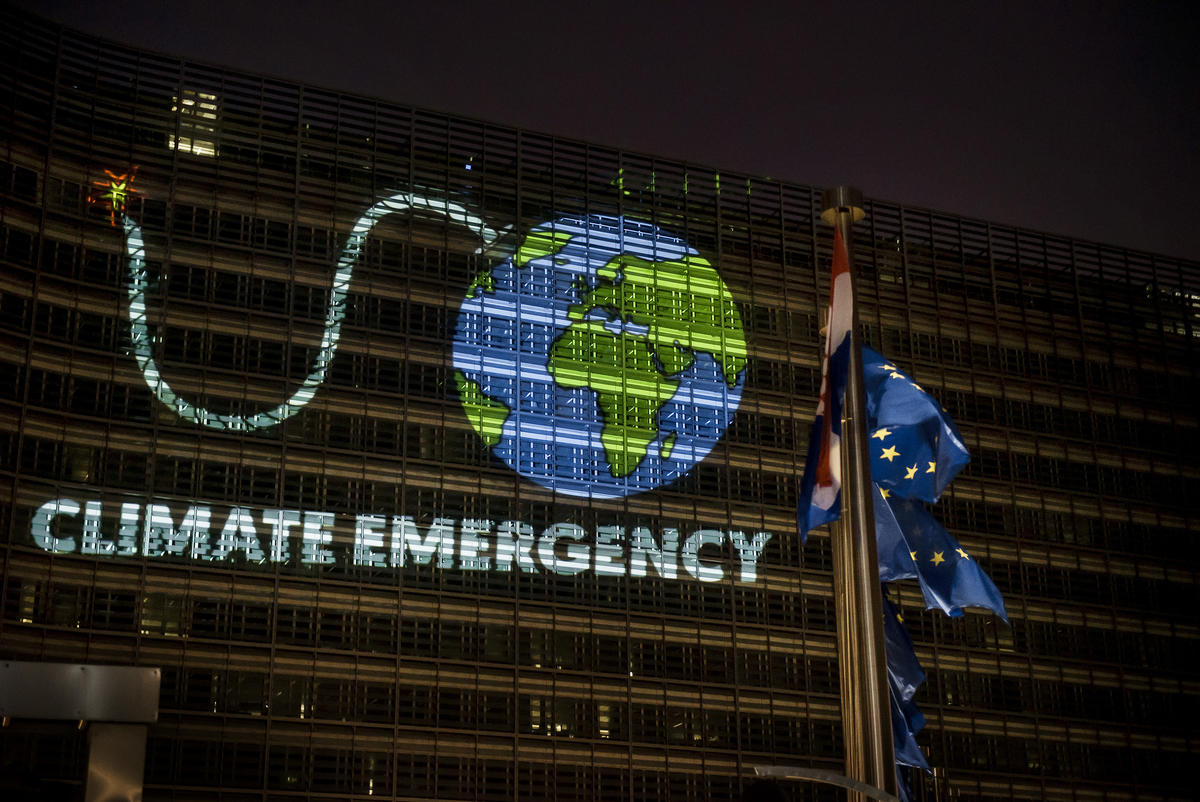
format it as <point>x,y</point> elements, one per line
<point>606,357</point>
<point>142,337</point>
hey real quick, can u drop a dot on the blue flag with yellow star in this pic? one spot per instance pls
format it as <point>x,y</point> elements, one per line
<point>892,551</point>
<point>950,578</point>
<point>916,450</point>
<point>915,447</point>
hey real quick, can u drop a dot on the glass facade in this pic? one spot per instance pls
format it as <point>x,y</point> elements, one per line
<point>228,455</point>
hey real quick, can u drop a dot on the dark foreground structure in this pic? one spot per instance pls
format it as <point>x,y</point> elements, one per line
<point>224,456</point>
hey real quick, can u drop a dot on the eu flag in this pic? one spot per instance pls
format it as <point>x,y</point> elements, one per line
<point>915,447</point>
<point>950,578</point>
<point>916,450</point>
<point>891,546</point>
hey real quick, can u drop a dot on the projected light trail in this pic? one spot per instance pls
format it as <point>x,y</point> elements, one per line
<point>143,341</point>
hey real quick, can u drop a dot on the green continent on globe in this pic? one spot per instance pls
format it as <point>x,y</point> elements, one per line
<point>629,388</point>
<point>633,334</point>
<point>539,244</point>
<point>486,414</point>
<point>484,281</point>
<point>684,303</point>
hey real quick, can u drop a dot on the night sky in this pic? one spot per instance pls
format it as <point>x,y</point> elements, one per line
<point>1078,119</point>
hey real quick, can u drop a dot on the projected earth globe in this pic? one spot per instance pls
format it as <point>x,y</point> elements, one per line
<point>606,357</point>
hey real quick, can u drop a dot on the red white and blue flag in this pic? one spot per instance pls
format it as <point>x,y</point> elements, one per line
<point>820,489</point>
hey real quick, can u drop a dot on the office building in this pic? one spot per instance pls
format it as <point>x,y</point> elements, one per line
<point>434,459</point>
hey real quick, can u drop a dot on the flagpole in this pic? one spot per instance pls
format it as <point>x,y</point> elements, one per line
<point>862,665</point>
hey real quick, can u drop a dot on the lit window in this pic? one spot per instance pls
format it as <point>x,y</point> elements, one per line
<point>197,124</point>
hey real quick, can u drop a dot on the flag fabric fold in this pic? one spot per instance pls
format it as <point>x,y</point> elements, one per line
<point>820,487</point>
<point>907,721</point>
<point>904,677</point>
<point>916,450</point>
<point>904,672</point>
<point>903,786</point>
<point>892,551</point>
<point>950,577</point>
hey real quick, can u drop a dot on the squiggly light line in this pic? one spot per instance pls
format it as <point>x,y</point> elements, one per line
<point>143,345</point>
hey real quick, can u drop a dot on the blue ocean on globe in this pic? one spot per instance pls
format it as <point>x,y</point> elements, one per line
<point>553,434</point>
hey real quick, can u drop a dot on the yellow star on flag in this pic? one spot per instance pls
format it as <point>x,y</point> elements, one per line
<point>917,386</point>
<point>882,433</point>
<point>883,491</point>
<point>913,554</point>
<point>938,559</point>
<point>931,467</point>
<point>900,618</point>
<point>962,553</point>
<point>910,471</point>
<point>890,453</point>
<point>896,375</point>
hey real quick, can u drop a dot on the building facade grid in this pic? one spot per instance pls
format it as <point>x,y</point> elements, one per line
<point>1070,367</point>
